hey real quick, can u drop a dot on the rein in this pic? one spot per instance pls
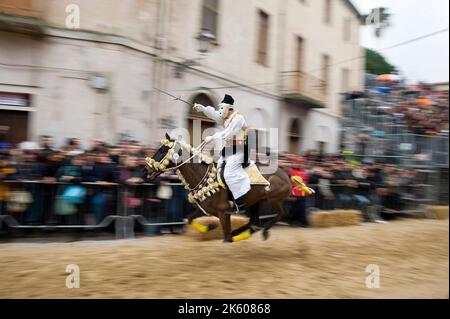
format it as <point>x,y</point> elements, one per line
<point>207,186</point>
<point>199,149</point>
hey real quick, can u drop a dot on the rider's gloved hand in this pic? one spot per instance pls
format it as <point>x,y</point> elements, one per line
<point>198,107</point>
<point>208,139</point>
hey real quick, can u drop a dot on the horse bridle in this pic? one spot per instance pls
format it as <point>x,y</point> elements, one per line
<point>172,156</point>
<point>162,164</point>
<point>207,185</point>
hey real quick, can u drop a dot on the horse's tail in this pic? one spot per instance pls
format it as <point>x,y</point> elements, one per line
<point>297,180</point>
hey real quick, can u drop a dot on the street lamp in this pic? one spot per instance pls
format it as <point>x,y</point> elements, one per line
<point>99,82</point>
<point>205,38</point>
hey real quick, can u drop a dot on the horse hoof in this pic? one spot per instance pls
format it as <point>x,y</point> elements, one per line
<point>227,241</point>
<point>265,235</point>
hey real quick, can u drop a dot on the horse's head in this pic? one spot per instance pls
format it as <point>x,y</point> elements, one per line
<point>165,157</point>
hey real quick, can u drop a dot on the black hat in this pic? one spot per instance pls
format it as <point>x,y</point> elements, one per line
<point>228,99</point>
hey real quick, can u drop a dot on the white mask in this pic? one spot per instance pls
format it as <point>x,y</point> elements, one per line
<point>224,109</point>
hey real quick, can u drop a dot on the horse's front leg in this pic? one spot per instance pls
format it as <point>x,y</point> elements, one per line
<point>201,228</point>
<point>225,221</point>
<point>195,214</point>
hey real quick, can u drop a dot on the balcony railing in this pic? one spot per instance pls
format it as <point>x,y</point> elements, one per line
<point>22,8</point>
<point>20,16</point>
<point>302,87</point>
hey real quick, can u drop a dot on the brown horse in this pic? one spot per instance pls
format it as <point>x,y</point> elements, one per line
<point>218,203</point>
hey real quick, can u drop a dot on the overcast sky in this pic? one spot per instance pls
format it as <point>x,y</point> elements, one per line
<point>423,60</point>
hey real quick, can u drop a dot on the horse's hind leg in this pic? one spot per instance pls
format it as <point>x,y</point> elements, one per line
<point>254,221</point>
<point>281,212</point>
<point>254,215</point>
<point>201,228</point>
<point>226,227</point>
<point>239,230</point>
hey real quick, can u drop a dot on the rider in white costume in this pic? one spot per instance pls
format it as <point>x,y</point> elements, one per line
<point>233,138</point>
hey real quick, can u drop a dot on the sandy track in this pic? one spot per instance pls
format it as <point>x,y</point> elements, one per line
<point>293,263</point>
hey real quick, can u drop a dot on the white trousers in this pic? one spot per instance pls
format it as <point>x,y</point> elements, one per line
<point>234,174</point>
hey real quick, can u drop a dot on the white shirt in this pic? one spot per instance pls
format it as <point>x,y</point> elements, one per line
<point>235,126</point>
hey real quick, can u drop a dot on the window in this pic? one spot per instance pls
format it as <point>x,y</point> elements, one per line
<point>300,50</point>
<point>347,29</point>
<point>327,11</point>
<point>322,147</point>
<point>345,80</point>
<point>325,72</point>
<point>14,122</point>
<point>263,35</point>
<point>210,15</point>
<point>295,137</point>
<point>299,64</point>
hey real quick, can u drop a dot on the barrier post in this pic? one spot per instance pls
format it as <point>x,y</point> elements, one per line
<point>124,224</point>
<point>124,227</point>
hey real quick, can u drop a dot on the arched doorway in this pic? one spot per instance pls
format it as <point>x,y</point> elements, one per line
<point>196,131</point>
<point>258,123</point>
<point>294,135</point>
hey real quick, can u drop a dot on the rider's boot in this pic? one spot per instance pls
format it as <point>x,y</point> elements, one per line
<point>241,207</point>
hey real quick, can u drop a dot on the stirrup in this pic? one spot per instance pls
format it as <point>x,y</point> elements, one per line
<point>241,208</point>
<point>234,207</point>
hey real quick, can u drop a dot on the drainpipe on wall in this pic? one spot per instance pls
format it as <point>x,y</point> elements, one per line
<point>36,75</point>
<point>279,68</point>
<point>159,65</point>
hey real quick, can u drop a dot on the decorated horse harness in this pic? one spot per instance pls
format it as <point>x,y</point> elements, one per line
<point>209,184</point>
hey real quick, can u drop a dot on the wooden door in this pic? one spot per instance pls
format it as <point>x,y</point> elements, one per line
<point>17,122</point>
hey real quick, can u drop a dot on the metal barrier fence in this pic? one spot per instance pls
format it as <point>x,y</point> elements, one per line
<point>406,198</point>
<point>149,207</point>
<point>125,208</point>
<point>408,150</point>
<point>385,137</point>
<point>41,205</point>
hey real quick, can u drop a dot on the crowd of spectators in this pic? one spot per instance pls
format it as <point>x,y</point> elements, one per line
<point>420,109</point>
<point>99,170</point>
<point>337,183</point>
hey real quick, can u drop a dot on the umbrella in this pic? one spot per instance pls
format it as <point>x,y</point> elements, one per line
<point>424,102</point>
<point>383,90</point>
<point>388,77</point>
